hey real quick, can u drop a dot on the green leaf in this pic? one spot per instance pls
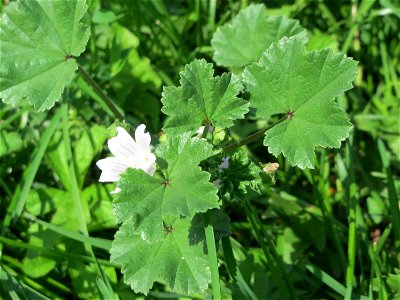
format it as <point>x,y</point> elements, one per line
<point>182,188</point>
<point>251,32</point>
<point>38,40</point>
<point>301,85</point>
<point>202,98</point>
<point>241,174</point>
<point>175,258</point>
<point>156,242</point>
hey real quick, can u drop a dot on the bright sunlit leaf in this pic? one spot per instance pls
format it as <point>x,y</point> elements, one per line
<point>167,190</point>
<point>172,252</point>
<point>202,98</point>
<point>302,85</point>
<point>38,42</point>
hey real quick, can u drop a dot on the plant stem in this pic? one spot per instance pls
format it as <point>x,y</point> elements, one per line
<point>211,16</point>
<point>212,255</point>
<point>78,208</point>
<point>352,233</point>
<point>252,137</point>
<point>205,130</point>
<point>100,92</point>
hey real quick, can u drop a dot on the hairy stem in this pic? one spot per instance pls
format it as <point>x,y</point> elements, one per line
<point>252,137</point>
<point>212,255</point>
<point>205,131</point>
<point>100,92</point>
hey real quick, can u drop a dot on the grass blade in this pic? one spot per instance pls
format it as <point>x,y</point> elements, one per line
<point>393,197</point>
<point>95,242</point>
<point>327,279</point>
<point>18,200</point>
<point>234,271</point>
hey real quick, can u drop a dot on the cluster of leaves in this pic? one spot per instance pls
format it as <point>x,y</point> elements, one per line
<point>281,77</point>
<point>287,80</point>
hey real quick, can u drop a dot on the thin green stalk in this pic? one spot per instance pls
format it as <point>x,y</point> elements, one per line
<point>393,197</point>
<point>12,284</point>
<point>362,10</point>
<point>94,242</point>
<point>79,210</point>
<point>256,223</point>
<point>13,117</point>
<point>212,255</point>
<point>376,251</point>
<point>210,239</point>
<point>326,278</point>
<point>211,15</point>
<point>252,137</point>
<point>328,15</point>
<point>197,7</point>
<point>100,92</point>
<point>352,233</point>
<point>52,253</point>
<point>326,209</point>
<point>38,288</point>
<point>234,271</point>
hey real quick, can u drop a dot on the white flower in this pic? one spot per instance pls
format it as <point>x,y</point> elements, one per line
<point>201,130</point>
<point>224,164</point>
<point>128,153</point>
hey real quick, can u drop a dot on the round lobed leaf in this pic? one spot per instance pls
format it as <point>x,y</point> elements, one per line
<point>251,32</point>
<point>38,40</point>
<point>301,85</point>
<point>202,98</point>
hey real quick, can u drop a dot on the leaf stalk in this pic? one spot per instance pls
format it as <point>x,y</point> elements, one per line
<point>212,255</point>
<point>100,92</point>
<point>252,137</point>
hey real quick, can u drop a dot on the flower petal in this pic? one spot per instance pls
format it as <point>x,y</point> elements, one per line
<point>224,164</point>
<point>148,164</point>
<point>142,139</point>
<point>201,130</point>
<point>111,168</point>
<point>123,145</point>
<point>116,191</point>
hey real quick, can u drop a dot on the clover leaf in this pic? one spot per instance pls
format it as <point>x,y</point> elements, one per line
<point>202,98</point>
<point>301,85</point>
<point>251,32</point>
<point>38,42</point>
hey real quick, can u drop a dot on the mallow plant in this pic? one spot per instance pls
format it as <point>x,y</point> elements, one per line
<point>170,193</point>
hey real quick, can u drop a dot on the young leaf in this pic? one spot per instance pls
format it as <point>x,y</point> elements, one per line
<point>202,98</point>
<point>256,31</point>
<point>302,85</point>
<point>183,189</point>
<point>38,40</point>
<point>241,175</point>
